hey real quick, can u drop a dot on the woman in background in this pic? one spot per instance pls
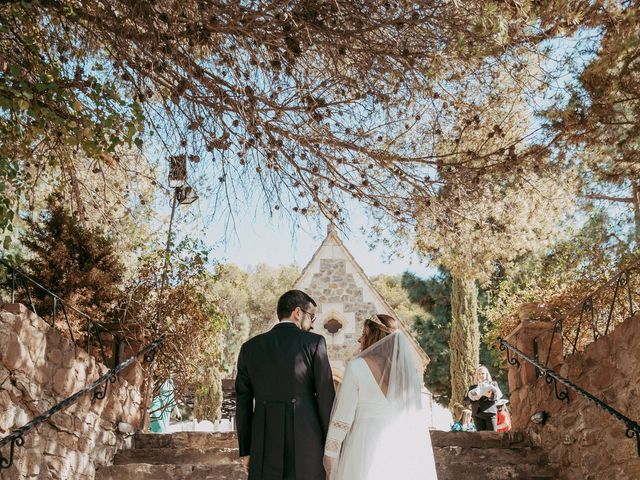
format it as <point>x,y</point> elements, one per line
<point>483,397</point>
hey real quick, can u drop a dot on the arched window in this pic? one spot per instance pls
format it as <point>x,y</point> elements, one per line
<point>333,321</point>
<point>333,325</point>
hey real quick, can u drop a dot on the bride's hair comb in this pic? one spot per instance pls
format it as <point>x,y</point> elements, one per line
<point>385,323</point>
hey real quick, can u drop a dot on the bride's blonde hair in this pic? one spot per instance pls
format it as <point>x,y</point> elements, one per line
<point>377,327</point>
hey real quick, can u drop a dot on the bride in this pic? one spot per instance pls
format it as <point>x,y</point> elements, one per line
<point>378,428</point>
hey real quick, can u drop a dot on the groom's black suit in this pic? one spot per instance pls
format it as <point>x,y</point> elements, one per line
<point>286,372</point>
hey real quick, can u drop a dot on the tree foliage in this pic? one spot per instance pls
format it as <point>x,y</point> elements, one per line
<point>392,289</point>
<point>231,292</point>
<point>178,305</point>
<point>248,300</point>
<point>309,102</point>
<point>558,278</point>
<point>118,201</point>
<point>420,110</point>
<point>53,108</point>
<point>493,216</point>
<point>81,266</point>
<point>598,126</point>
<point>506,209</point>
<point>424,305</point>
<point>266,284</point>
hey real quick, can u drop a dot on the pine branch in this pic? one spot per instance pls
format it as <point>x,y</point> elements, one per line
<point>596,196</point>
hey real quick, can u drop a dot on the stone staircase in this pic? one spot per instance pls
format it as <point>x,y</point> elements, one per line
<point>199,456</point>
<point>489,456</point>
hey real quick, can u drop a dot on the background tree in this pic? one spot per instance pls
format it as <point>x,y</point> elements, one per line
<point>433,329</point>
<point>230,288</point>
<point>560,276</point>
<point>186,313</point>
<point>506,209</point>
<point>248,301</point>
<point>498,224</point>
<point>392,289</point>
<point>118,199</point>
<point>53,108</point>
<point>599,124</point>
<point>414,301</point>
<point>81,265</point>
<point>266,284</point>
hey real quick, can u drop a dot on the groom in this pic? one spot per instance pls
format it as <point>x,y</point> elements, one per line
<point>284,392</point>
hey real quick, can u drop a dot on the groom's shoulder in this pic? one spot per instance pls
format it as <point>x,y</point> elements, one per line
<point>256,339</point>
<point>311,337</point>
<point>308,338</point>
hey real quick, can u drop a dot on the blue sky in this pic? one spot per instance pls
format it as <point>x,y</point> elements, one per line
<point>256,239</point>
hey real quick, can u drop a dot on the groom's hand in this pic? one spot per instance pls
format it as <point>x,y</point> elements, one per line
<point>245,464</point>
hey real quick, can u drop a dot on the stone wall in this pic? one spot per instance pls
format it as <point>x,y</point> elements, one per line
<point>40,367</point>
<point>334,286</point>
<point>581,438</point>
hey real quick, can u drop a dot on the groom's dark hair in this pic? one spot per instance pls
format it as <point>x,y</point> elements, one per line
<point>291,300</point>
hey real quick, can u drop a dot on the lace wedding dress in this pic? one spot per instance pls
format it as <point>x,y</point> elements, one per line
<point>378,426</point>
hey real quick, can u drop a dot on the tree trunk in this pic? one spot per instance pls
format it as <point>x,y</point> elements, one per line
<point>464,344</point>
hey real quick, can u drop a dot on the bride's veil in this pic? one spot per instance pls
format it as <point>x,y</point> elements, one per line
<point>393,365</point>
<point>399,444</point>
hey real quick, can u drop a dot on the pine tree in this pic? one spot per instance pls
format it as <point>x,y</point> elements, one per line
<point>78,264</point>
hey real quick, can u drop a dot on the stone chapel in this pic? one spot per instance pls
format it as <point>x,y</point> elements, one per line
<point>346,298</point>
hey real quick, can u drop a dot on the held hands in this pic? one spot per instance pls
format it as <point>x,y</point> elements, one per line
<point>328,465</point>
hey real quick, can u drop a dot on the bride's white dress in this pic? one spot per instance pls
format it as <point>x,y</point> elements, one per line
<point>371,437</point>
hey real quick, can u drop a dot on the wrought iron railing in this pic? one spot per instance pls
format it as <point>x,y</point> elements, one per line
<point>551,377</point>
<point>18,281</point>
<point>598,313</point>
<point>16,438</point>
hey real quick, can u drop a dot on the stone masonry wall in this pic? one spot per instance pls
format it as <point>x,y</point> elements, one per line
<point>333,285</point>
<point>38,368</point>
<point>581,438</point>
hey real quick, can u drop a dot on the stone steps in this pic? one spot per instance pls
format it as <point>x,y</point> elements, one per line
<point>479,439</point>
<point>474,471</point>
<point>529,456</point>
<point>145,471</point>
<point>199,455</point>
<point>185,440</point>
<point>165,456</point>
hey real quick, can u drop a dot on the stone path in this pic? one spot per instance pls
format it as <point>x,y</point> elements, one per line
<point>199,456</point>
